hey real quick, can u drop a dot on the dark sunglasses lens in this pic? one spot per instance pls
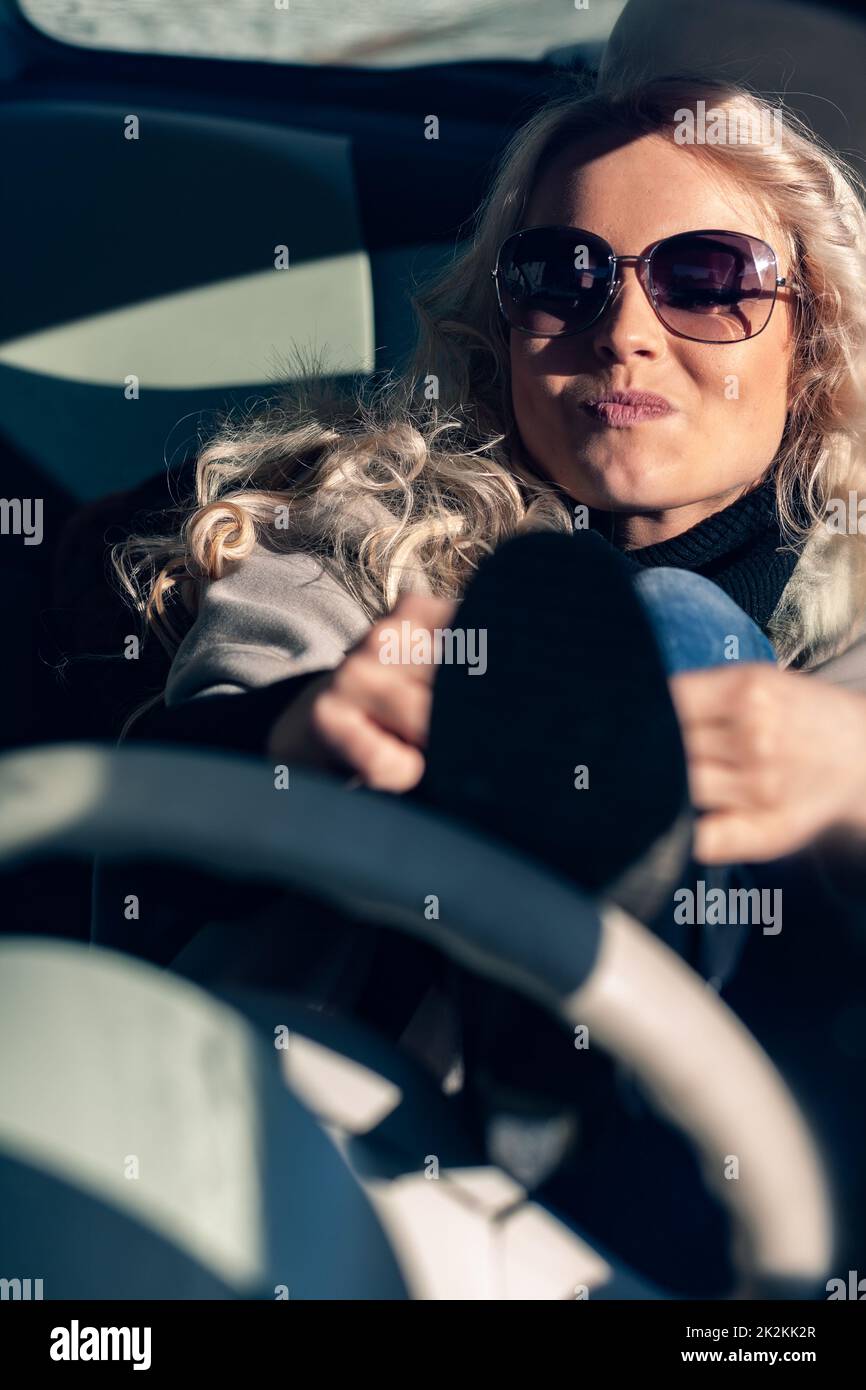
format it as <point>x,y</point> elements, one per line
<point>716,288</point>
<point>553,280</point>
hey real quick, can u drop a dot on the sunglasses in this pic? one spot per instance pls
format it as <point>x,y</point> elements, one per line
<point>709,286</point>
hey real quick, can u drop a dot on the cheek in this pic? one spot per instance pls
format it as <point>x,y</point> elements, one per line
<point>520,374</point>
<point>759,370</point>
<point>538,377</point>
<point>530,402</point>
<point>751,385</point>
<point>525,367</point>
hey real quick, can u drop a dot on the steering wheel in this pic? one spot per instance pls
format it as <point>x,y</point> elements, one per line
<point>502,917</point>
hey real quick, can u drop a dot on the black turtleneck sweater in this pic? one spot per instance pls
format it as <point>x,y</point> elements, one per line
<point>741,549</point>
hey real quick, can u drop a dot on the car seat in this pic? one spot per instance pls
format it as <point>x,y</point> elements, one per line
<point>811,55</point>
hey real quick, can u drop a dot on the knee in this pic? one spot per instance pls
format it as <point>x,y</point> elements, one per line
<point>664,586</point>
<point>696,623</point>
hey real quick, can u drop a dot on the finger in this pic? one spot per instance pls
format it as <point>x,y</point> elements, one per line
<point>719,695</point>
<point>748,837</point>
<point>716,743</point>
<point>727,837</point>
<point>423,610</point>
<point>389,696</point>
<point>701,696</point>
<point>401,706</point>
<point>383,760</point>
<point>404,638</point>
<point>409,650</point>
<point>714,786</point>
<point>752,782</point>
<point>409,627</point>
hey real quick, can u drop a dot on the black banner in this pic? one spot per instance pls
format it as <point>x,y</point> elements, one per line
<point>227,1337</point>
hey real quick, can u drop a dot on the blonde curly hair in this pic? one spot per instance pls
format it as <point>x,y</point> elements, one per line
<point>411,483</point>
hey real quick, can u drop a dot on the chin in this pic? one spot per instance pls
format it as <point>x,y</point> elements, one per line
<point>631,487</point>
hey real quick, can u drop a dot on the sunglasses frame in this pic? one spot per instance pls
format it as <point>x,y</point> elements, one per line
<point>643,267</point>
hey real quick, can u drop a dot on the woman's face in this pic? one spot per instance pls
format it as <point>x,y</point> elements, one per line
<point>729,400</point>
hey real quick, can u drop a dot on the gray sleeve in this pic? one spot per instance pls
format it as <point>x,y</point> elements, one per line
<point>841,862</point>
<point>849,667</point>
<point>270,617</point>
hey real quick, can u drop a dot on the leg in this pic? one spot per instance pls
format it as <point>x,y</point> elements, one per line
<point>696,625</point>
<point>567,745</point>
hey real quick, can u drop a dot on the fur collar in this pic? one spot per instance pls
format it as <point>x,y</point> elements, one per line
<point>823,606</point>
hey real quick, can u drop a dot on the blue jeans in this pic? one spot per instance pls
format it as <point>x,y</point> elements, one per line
<point>697,628</point>
<point>696,625</point>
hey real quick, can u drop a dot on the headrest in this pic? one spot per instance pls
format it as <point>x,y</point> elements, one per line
<point>812,57</point>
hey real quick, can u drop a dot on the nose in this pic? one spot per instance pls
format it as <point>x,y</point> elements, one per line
<point>629,327</point>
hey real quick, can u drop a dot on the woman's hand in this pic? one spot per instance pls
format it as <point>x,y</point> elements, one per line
<point>368,716</point>
<point>776,760</point>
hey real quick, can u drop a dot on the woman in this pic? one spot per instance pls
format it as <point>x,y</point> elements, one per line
<point>652,353</point>
<point>701,404</point>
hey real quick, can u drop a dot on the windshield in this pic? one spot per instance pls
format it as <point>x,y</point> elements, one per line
<point>384,33</point>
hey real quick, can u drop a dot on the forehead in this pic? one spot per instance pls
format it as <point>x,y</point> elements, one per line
<point>636,192</point>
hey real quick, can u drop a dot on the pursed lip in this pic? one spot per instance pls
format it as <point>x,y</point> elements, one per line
<point>622,408</point>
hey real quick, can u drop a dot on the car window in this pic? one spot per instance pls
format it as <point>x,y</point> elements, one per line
<point>385,33</point>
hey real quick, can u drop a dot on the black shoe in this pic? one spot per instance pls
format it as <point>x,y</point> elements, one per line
<point>567,745</point>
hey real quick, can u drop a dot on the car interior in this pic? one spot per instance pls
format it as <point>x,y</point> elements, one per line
<point>148,194</point>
